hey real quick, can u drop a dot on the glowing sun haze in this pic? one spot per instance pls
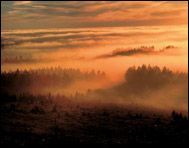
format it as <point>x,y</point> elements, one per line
<point>110,36</point>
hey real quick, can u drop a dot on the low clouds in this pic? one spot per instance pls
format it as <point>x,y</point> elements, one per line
<point>87,44</point>
<point>66,39</point>
<point>143,50</point>
<point>21,3</point>
<point>60,39</point>
<point>20,60</point>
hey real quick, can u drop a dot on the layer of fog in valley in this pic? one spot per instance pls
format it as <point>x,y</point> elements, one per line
<point>70,106</point>
<point>145,86</point>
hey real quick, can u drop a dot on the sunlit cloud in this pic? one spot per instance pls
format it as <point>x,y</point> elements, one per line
<point>18,3</point>
<point>92,14</point>
<point>76,33</point>
<point>77,38</point>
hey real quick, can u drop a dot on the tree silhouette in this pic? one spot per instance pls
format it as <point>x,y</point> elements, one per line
<point>26,80</point>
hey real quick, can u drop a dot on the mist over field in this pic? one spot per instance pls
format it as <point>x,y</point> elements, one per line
<point>94,72</point>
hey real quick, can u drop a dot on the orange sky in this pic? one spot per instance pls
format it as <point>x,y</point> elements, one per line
<point>73,34</point>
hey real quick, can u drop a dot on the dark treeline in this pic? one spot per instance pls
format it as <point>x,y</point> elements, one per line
<point>50,119</point>
<point>148,77</point>
<point>144,79</point>
<point>26,80</point>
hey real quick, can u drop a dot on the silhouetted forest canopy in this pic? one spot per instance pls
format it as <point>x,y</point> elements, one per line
<point>138,80</point>
<point>147,77</point>
<point>26,80</point>
<point>144,79</point>
<point>96,117</point>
